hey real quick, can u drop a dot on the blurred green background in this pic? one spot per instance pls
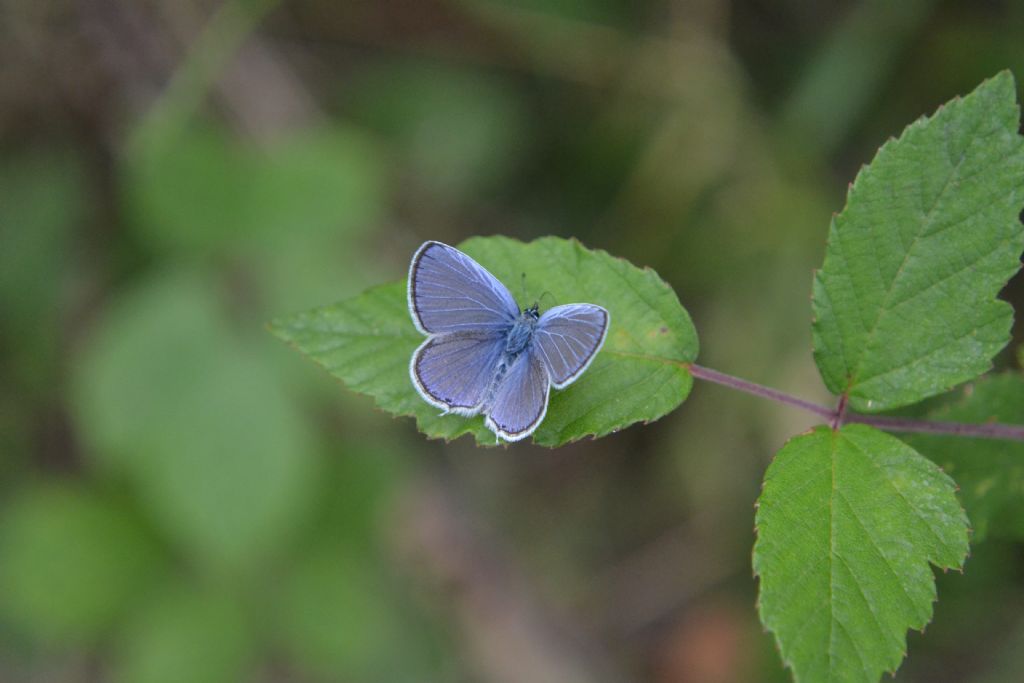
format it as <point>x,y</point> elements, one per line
<point>183,498</point>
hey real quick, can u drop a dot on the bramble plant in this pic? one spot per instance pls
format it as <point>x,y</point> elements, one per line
<point>905,308</point>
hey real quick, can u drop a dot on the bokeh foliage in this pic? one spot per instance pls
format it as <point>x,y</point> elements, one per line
<point>172,479</point>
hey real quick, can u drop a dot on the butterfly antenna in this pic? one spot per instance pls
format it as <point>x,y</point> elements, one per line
<point>546,293</point>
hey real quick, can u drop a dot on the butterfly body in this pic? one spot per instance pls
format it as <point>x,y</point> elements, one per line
<point>521,334</point>
<point>485,355</point>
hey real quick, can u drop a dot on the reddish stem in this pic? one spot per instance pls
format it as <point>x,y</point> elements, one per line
<point>839,415</point>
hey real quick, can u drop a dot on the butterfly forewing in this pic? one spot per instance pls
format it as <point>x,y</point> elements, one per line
<point>450,292</point>
<point>567,338</point>
<point>453,371</point>
<point>521,399</point>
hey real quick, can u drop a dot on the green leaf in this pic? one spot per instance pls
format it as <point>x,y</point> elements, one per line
<point>70,562</point>
<point>640,375</point>
<point>905,305</point>
<point>847,523</point>
<point>989,472</point>
<point>198,421</point>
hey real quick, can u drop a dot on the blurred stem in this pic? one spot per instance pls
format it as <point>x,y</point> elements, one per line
<point>989,430</point>
<point>850,70</point>
<point>207,57</point>
<point>839,415</point>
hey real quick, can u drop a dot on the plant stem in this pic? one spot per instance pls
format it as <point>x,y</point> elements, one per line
<point>987,430</point>
<point>839,415</point>
<point>725,380</point>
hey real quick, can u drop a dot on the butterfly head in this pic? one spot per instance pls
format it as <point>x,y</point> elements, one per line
<point>533,311</point>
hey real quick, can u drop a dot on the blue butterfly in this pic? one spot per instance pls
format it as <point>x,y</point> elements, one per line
<point>482,353</point>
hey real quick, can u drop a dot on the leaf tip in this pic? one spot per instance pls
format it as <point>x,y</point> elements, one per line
<point>278,327</point>
<point>1002,79</point>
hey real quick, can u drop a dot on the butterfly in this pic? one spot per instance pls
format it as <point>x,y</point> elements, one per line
<point>485,355</point>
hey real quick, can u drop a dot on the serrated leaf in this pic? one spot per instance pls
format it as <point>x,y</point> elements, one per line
<point>847,523</point>
<point>640,375</point>
<point>989,472</point>
<point>905,305</point>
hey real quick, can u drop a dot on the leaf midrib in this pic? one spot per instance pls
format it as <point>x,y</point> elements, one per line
<point>411,336</point>
<point>956,178</point>
<point>919,234</point>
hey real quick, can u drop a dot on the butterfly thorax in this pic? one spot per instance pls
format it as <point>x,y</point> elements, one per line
<point>521,334</point>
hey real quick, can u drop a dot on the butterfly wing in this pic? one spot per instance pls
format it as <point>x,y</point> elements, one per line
<point>567,338</point>
<point>453,371</point>
<point>450,292</point>
<point>520,400</point>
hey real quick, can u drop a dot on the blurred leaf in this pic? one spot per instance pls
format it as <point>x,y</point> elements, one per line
<point>337,620</point>
<point>189,192</point>
<point>70,563</point>
<point>15,438</point>
<point>186,636</point>
<point>41,199</point>
<point>137,371</point>
<point>639,375</point>
<point>989,472</point>
<point>905,306</point>
<point>460,132</point>
<point>318,181</point>
<point>198,420</point>
<point>851,69</point>
<point>847,523</point>
<point>336,617</point>
<point>1009,660</point>
<point>612,12</point>
<point>231,480</point>
<point>311,271</point>
<point>203,189</point>
<point>972,619</point>
<point>355,487</point>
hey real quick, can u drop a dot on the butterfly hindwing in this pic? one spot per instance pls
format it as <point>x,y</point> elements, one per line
<point>520,400</point>
<point>453,371</point>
